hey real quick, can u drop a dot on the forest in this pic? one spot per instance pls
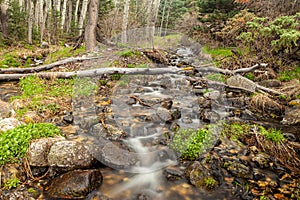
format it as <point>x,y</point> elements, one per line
<point>150,99</point>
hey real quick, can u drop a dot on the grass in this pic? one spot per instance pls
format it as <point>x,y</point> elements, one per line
<point>9,61</point>
<point>210,182</point>
<point>63,52</point>
<point>128,53</point>
<point>14,143</point>
<point>217,52</point>
<point>290,75</point>
<point>216,77</point>
<point>41,95</point>
<point>137,66</point>
<point>11,183</point>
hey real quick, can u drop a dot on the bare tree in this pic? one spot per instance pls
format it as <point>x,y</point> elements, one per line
<point>4,18</point>
<point>91,25</point>
<point>82,15</point>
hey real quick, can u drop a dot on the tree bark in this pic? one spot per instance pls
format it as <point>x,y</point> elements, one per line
<point>63,14</point>
<point>82,16</point>
<point>4,18</point>
<point>30,19</point>
<point>91,25</point>
<point>125,21</point>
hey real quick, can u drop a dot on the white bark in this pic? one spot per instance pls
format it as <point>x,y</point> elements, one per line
<point>82,16</point>
<point>63,14</point>
<point>70,15</point>
<point>76,12</point>
<point>125,21</point>
<point>30,8</point>
<point>162,18</point>
<point>168,14</point>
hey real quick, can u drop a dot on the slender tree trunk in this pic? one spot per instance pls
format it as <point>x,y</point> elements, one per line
<point>91,25</point>
<point>30,19</point>
<point>63,14</point>
<point>168,14</point>
<point>82,16</point>
<point>70,16</point>
<point>4,18</point>
<point>162,17</point>
<point>125,21</point>
<point>76,12</point>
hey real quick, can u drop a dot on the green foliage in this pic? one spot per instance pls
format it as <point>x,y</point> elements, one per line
<point>281,34</point>
<point>17,22</point>
<point>211,6</point>
<point>14,143</point>
<point>210,182</point>
<point>264,198</point>
<point>11,183</point>
<point>190,142</point>
<point>216,77</point>
<point>137,66</point>
<point>249,75</point>
<point>128,53</point>
<point>217,52</point>
<point>272,134</point>
<point>9,61</point>
<point>35,90</point>
<point>63,52</point>
<point>289,75</point>
<point>236,131</point>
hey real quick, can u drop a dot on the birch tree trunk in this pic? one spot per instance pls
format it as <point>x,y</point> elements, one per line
<point>63,14</point>
<point>76,12</point>
<point>91,25</point>
<point>70,16</point>
<point>30,7</point>
<point>168,15</point>
<point>82,15</point>
<point>125,21</point>
<point>162,18</point>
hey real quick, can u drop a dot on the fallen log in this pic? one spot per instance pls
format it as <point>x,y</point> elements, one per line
<point>45,67</point>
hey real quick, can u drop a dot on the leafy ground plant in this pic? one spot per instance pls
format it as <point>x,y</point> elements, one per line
<point>189,143</point>
<point>14,143</point>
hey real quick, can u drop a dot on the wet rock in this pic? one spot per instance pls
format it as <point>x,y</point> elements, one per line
<point>291,116</point>
<point>238,169</point>
<point>204,103</point>
<point>96,195</point>
<point>5,110</point>
<point>113,132</point>
<point>68,118</point>
<point>38,151</point>
<point>241,82</point>
<point>208,115</point>
<point>262,159</point>
<point>175,113</point>
<point>75,184</point>
<point>271,83</point>
<point>167,104</point>
<point>9,123</point>
<point>200,176</point>
<point>70,154</point>
<point>164,114</point>
<point>213,95</point>
<point>173,173</point>
<point>116,157</point>
<point>21,192</point>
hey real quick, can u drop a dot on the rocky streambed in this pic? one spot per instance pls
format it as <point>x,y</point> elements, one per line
<point>119,144</point>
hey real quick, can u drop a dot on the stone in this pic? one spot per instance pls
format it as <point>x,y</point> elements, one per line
<point>213,95</point>
<point>75,184</point>
<point>270,83</point>
<point>38,151</point>
<point>291,116</point>
<point>164,114</point>
<point>9,123</point>
<point>241,82</point>
<point>5,110</point>
<point>69,154</point>
<point>116,157</point>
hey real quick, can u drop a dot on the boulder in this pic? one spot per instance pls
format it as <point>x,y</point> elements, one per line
<point>69,154</point>
<point>5,110</point>
<point>9,123</point>
<point>241,82</point>
<point>38,151</point>
<point>75,184</point>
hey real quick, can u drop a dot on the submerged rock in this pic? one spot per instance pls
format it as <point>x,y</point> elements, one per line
<point>75,184</point>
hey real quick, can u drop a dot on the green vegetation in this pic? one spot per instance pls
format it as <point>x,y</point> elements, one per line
<point>14,143</point>
<point>128,53</point>
<point>190,142</point>
<point>11,183</point>
<point>236,131</point>
<point>272,134</point>
<point>37,94</point>
<point>63,52</point>
<point>137,66</point>
<point>290,75</point>
<point>9,61</point>
<point>264,198</point>
<point>216,77</point>
<point>250,76</point>
<point>217,52</point>
<point>84,87</point>
<point>210,182</point>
